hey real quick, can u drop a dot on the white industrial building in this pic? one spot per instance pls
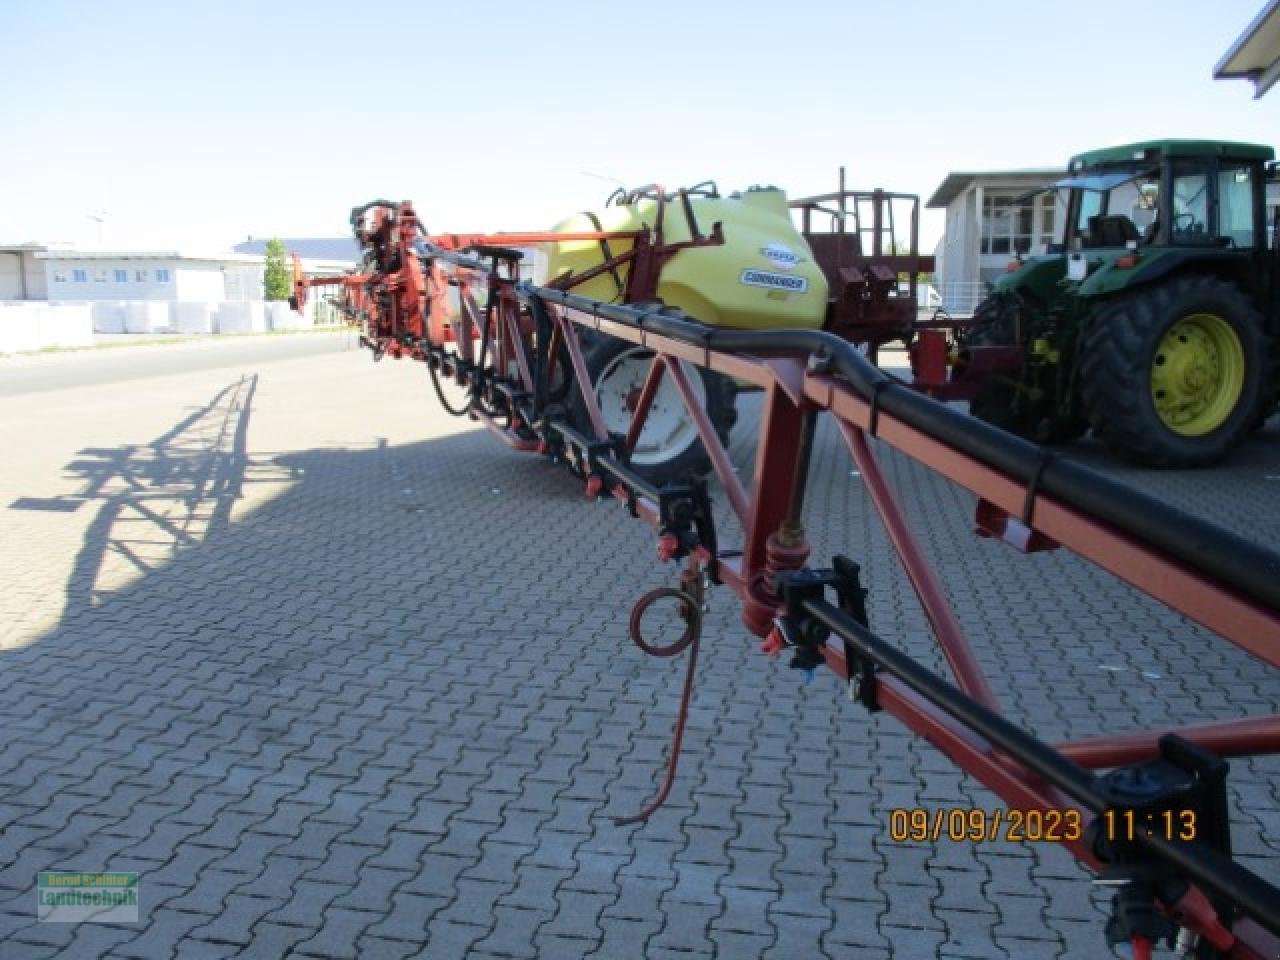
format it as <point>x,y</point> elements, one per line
<point>164,275</point>
<point>151,275</point>
<point>990,220</point>
<point>52,296</point>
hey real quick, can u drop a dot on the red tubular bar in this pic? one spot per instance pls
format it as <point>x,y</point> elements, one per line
<point>510,438</point>
<point>933,598</point>
<point>781,428</point>
<point>515,342</point>
<point>583,376</point>
<point>641,413</point>
<point>463,241</point>
<point>720,461</point>
<point>1250,736</point>
<point>471,324</point>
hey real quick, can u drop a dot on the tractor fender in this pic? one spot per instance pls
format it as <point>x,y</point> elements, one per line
<point>1153,264</point>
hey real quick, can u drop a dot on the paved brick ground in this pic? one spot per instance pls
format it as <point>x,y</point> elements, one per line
<point>341,678</point>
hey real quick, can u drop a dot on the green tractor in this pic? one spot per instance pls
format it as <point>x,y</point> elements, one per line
<point>1154,322</point>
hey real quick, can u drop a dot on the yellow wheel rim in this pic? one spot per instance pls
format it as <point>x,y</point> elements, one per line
<point>1197,374</point>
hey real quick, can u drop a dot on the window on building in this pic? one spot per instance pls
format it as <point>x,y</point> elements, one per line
<point>59,276</point>
<point>120,276</point>
<point>162,275</point>
<point>997,224</point>
<point>1009,226</point>
<point>1048,211</point>
<point>140,276</point>
<point>80,276</point>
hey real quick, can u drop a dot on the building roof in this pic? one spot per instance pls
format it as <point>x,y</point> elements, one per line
<point>1150,149</point>
<point>956,183</point>
<point>1256,54</point>
<point>146,255</point>
<point>28,247</point>
<point>308,248</point>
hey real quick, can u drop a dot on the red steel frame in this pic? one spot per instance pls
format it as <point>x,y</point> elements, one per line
<point>774,542</point>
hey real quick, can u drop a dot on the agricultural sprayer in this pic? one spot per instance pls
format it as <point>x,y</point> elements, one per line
<point>700,296</point>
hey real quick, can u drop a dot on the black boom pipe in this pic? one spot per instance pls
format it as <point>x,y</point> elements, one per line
<point>610,465</point>
<point>1231,560</point>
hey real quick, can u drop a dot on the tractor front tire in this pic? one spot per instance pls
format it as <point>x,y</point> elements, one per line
<point>1001,401</point>
<point>669,448</point>
<point>1174,374</point>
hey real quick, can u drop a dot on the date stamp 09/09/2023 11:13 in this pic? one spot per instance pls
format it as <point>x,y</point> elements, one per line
<point>980,825</point>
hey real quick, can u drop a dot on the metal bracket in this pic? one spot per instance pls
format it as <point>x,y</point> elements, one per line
<point>684,511</point>
<point>809,637</point>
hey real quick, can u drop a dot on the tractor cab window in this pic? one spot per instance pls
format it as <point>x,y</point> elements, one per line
<point>1141,202</point>
<point>1235,206</point>
<point>1113,207</point>
<point>1090,206</point>
<point>1190,205</point>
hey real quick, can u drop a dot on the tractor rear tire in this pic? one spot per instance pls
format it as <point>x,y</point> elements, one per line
<point>1174,374</point>
<point>669,449</point>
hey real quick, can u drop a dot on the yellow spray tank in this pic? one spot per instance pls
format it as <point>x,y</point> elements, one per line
<point>763,276</point>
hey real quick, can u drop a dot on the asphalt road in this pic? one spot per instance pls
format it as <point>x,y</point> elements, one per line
<point>36,373</point>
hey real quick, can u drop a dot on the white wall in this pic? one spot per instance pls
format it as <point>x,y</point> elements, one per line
<point>101,283</point>
<point>960,240</point>
<point>199,280</point>
<point>26,325</point>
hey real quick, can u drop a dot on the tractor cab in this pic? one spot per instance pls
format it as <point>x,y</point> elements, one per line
<point>1174,193</point>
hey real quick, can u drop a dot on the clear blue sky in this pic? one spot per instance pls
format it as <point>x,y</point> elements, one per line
<point>200,124</point>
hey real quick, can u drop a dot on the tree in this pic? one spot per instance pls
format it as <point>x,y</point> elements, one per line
<point>277,284</point>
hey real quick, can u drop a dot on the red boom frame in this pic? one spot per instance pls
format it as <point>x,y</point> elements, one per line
<point>528,329</point>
